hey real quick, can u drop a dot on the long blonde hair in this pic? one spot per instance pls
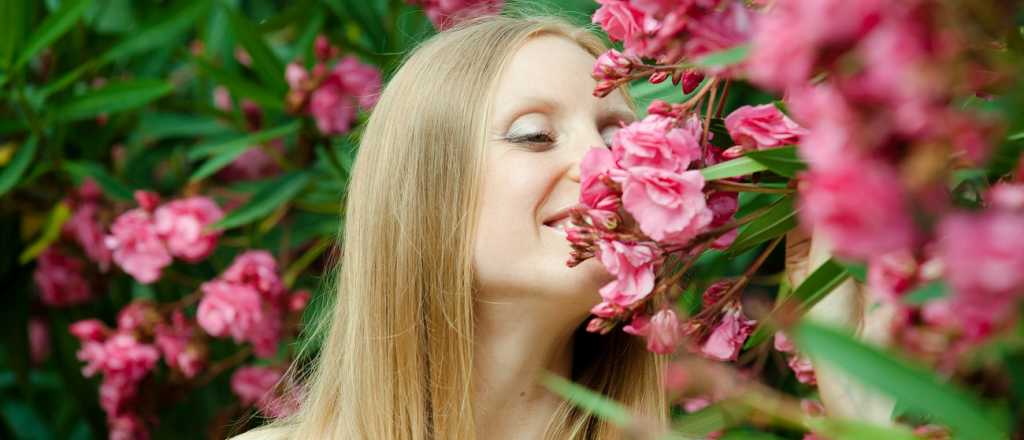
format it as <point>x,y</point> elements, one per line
<point>396,359</point>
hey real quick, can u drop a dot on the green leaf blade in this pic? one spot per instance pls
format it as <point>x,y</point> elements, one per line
<point>782,161</point>
<point>724,58</point>
<point>589,400</point>
<point>778,220</point>
<point>264,61</point>
<point>52,28</point>
<point>740,166</point>
<point>12,172</point>
<point>265,201</point>
<point>113,98</point>
<point>112,187</point>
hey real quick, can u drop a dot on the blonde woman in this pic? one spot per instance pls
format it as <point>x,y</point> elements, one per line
<point>453,296</point>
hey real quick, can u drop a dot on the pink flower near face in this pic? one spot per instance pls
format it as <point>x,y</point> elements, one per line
<point>447,13</point>
<point>727,338</point>
<point>229,309</point>
<point>594,194</point>
<point>891,275</point>
<point>761,127</point>
<point>664,332</point>
<point>85,228</point>
<point>183,225</point>
<point>332,108</point>
<point>633,265</point>
<point>669,207</point>
<point>655,142</point>
<point>256,269</point>
<point>612,65</point>
<point>619,19</point>
<point>266,336</point>
<point>137,247</point>
<point>253,384</point>
<point>89,330</point>
<point>984,254</point>
<point>59,279</point>
<point>360,80</point>
<point>860,206</point>
<point>1006,195</point>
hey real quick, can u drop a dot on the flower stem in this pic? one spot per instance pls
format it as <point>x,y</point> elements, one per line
<point>747,187</point>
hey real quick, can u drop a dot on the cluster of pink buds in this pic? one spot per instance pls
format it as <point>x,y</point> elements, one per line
<point>447,13</point>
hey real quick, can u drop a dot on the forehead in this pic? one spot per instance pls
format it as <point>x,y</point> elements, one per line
<point>551,69</point>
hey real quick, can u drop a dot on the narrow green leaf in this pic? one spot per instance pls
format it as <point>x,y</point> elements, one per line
<point>1016,136</point>
<point>218,161</point>
<point>112,187</point>
<point>55,25</point>
<point>778,220</point>
<point>853,430</point>
<point>858,271</point>
<point>724,58</point>
<point>12,172</point>
<point>264,61</point>
<point>12,30</point>
<point>749,435</point>
<point>740,166</point>
<point>589,400</point>
<point>933,290</point>
<point>51,232</point>
<point>113,98</point>
<point>241,87</point>
<point>917,387</point>
<point>264,202</point>
<point>713,418</point>
<point>215,148</point>
<point>160,125</point>
<point>158,34</point>
<point>782,161</point>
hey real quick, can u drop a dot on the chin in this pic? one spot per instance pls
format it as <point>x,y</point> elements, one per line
<point>581,283</point>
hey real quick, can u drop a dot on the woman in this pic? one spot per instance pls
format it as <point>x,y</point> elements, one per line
<point>453,296</point>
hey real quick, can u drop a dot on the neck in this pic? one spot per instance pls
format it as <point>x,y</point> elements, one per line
<point>516,343</point>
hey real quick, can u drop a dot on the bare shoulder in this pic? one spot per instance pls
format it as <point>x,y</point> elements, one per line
<point>264,433</point>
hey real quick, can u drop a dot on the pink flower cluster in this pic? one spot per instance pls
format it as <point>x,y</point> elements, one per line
<point>143,240</point>
<point>332,96</point>
<point>447,13</point>
<point>256,385</point>
<point>248,302</point>
<point>641,200</point>
<point>255,162</point>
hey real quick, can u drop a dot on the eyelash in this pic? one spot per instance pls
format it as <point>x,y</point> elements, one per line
<point>542,137</point>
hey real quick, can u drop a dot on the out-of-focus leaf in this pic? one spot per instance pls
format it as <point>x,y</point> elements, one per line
<point>113,98</point>
<point>241,87</point>
<point>13,20</point>
<point>304,260</point>
<point>55,25</point>
<point>931,291</point>
<point>815,287</point>
<point>223,153</point>
<point>158,34</point>
<point>111,16</point>
<point>782,161</point>
<point>740,166</point>
<point>749,435</point>
<point>58,215</point>
<point>159,125</point>
<point>853,430</point>
<point>724,58</point>
<point>858,271</point>
<point>12,172</point>
<point>112,187</point>
<point>917,387</point>
<point>264,62</point>
<point>265,201</point>
<point>588,400</point>
<point>702,423</point>
<point>27,423</point>
<point>778,220</point>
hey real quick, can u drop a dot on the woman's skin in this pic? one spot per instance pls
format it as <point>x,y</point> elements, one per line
<point>543,122</point>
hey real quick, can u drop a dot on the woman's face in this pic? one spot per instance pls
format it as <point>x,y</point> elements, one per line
<point>543,122</point>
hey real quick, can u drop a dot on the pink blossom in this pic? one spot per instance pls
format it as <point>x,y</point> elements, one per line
<point>723,206</point>
<point>121,355</point>
<point>295,75</point>
<point>254,163</point>
<point>594,193</point>
<point>633,265</point>
<point>859,206</point>
<point>1007,196</point>
<point>137,315</point>
<point>298,300</point>
<point>333,110</point>
<point>173,340</point>
<point>184,226</point>
<point>38,340</point>
<point>266,336</point>
<point>783,344</point>
<point>891,275</point>
<point>229,309</point>
<point>655,142</point>
<point>612,65</point>
<point>58,277</point>
<point>714,293</point>
<point>639,325</point>
<point>128,426</point>
<point>137,247</point>
<point>222,99</point>
<point>117,394</point>
<point>802,368</point>
<point>84,228</point>
<point>363,81</point>
<point>447,13</point>
<point>258,270</point>
<point>728,336</point>
<point>89,330</point>
<point>254,384</point>
<point>761,127</point>
<point>669,207</point>
<point>717,30</point>
<point>664,332</point>
<point>619,19</point>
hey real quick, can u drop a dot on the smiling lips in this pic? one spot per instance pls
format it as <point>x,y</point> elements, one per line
<point>560,220</point>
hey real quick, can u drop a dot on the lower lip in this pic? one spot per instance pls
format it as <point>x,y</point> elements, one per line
<point>560,232</point>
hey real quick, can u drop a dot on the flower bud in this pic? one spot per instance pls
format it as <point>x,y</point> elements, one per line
<point>612,65</point>
<point>658,77</point>
<point>691,79</point>
<point>604,87</point>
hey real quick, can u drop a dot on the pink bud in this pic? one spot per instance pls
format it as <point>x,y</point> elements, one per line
<point>733,152</point>
<point>664,332</point>
<point>659,107</point>
<point>298,300</point>
<point>253,114</point>
<point>612,65</point>
<point>322,48</point>
<point>89,330</point>
<point>658,77</point>
<point>147,200</point>
<point>604,87</point>
<point>295,75</point>
<point>691,79</point>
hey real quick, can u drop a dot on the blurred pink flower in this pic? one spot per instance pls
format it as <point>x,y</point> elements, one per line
<point>664,332</point>
<point>594,193</point>
<point>447,13</point>
<point>333,110</point>
<point>612,65</point>
<point>58,277</point>
<point>728,336</point>
<point>139,315</point>
<point>89,330</point>
<point>258,270</point>
<point>363,81</point>
<point>174,341</point>
<point>254,384</point>
<point>127,426</point>
<point>669,207</point>
<point>84,228</point>
<point>633,265</point>
<point>620,19</point>
<point>891,275</point>
<point>137,246</point>
<point>763,126</point>
<point>723,206</point>
<point>38,340</point>
<point>121,356</point>
<point>183,225</point>
<point>655,142</point>
<point>296,75</point>
<point>1008,196</point>
<point>229,309</point>
<point>222,99</point>
<point>802,368</point>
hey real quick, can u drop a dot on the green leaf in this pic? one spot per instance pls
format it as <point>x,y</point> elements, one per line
<point>589,400</point>
<point>264,62</point>
<point>782,161</point>
<point>241,87</point>
<point>265,201</point>
<point>223,153</point>
<point>778,220</point>
<point>161,33</point>
<point>12,172</point>
<point>933,290</point>
<point>55,25</point>
<point>853,430</point>
<point>724,58</point>
<point>917,387</point>
<point>51,232</point>
<point>858,271</point>
<point>12,30</point>
<point>740,166</point>
<point>160,125</point>
<point>817,285</point>
<point>749,435</point>
<point>709,419</point>
<point>113,98</point>
<point>112,187</point>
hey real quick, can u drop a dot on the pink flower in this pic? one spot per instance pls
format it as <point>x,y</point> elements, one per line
<point>723,206</point>
<point>1006,195</point>
<point>89,330</point>
<point>174,343</point>
<point>298,300</point>
<point>633,265</point>
<point>619,19</point>
<point>761,127</point>
<point>717,30</point>
<point>984,255</point>
<point>669,207</point>
<point>714,293</point>
<point>891,275</point>
<point>333,110</point>
<point>258,270</point>
<point>295,75</point>
<point>266,336</point>
<point>594,193</point>
<point>121,355</point>
<point>128,426</point>
<point>253,384</point>
<point>137,315</point>
<point>183,224</point>
<point>84,228</point>
<point>803,369</point>
<point>222,99</point>
<point>117,395</point>
<point>727,338</point>
<point>59,279</point>
<point>38,340</point>
<point>860,206</point>
<point>254,163</point>
<point>664,332</point>
<point>655,142</point>
<point>137,247</point>
<point>612,65</point>
<point>360,80</point>
<point>447,13</point>
<point>783,344</point>
<point>229,309</point>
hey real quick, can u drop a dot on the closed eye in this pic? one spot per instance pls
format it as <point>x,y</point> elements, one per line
<point>531,138</point>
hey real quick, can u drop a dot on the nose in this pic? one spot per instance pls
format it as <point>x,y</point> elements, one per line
<point>592,139</point>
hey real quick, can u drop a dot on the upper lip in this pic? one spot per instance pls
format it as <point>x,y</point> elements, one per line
<point>559,215</point>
